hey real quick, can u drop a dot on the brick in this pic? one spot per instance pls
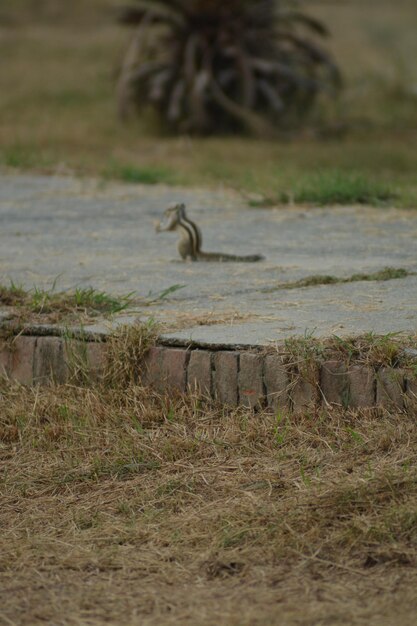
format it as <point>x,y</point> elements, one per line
<point>152,367</point>
<point>304,392</point>
<point>361,386</point>
<point>225,377</point>
<point>251,380</point>
<point>334,383</point>
<point>411,392</point>
<point>277,382</point>
<point>22,359</point>
<point>75,355</point>
<point>96,358</point>
<point>390,388</point>
<point>5,361</point>
<point>85,359</point>
<point>199,371</point>
<point>49,361</point>
<point>166,368</point>
<point>175,368</point>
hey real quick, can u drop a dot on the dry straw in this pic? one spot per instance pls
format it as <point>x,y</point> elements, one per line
<point>122,506</point>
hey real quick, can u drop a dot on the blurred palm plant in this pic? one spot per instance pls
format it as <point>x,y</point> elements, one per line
<point>217,65</point>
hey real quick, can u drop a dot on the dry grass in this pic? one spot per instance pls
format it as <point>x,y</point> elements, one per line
<point>81,306</point>
<point>123,507</point>
<point>375,351</point>
<point>125,349</point>
<point>177,320</point>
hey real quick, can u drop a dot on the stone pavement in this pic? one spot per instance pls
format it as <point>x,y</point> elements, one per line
<point>100,234</point>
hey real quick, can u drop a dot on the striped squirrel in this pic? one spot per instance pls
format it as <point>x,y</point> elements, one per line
<point>189,245</point>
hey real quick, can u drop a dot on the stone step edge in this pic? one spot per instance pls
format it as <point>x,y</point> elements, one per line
<point>252,379</point>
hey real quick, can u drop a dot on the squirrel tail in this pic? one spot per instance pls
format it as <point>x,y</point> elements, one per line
<point>224,258</point>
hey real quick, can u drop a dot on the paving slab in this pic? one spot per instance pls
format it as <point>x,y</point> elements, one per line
<point>81,232</point>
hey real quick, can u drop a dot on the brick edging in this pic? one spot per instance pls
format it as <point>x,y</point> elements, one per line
<point>247,378</point>
<point>257,380</point>
<point>32,360</point>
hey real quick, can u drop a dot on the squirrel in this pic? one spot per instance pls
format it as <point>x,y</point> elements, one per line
<point>189,244</point>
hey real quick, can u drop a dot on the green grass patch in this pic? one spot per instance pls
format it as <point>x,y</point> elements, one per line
<point>139,175</point>
<point>337,187</point>
<point>83,300</point>
<point>80,305</point>
<point>324,175</point>
<point>99,301</point>
<point>24,157</point>
<point>331,188</point>
<point>388,273</point>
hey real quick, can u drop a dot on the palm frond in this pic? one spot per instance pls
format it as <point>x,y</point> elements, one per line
<point>216,65</point>
<point>311,23</point>
<point>160,12</point>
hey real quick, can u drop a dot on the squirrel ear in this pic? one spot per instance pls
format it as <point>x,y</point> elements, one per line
<point>175,206</point>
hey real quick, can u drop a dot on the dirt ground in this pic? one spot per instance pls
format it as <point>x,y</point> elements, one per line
<point>126,508</point>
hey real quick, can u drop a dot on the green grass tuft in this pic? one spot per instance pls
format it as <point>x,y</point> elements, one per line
<point>24,157</point>
<point>388,273</point>
<point>336,187</point>
<point>100,301</point>
<point>84,300</point>
<point>139,175</point>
